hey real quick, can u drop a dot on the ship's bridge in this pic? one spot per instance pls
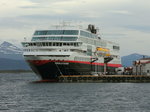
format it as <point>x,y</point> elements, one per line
<point>62,35</point>
<point>55,35</point>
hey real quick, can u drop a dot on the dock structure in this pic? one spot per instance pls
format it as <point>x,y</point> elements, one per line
<point>105,79</point>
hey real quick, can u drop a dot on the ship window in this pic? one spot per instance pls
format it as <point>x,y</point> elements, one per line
<point>57,32</point>
<point>55,38</point>
<point>71,44</point>
<point>75,44</point>
<point>54,44</point>
<point>57,44</point>
<point>43,44</point>
<point>40,33</point>
<point>32,44</point>
<point>87,34</point>
<point>71,32</point>
<point>50,44</point>
<point>116,47</point>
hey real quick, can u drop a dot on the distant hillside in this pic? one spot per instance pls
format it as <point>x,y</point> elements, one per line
<point>10,51</point>
<point>9,64</point>
<point>128,60</point>
<point>8,48</point>
<point>11,57</point>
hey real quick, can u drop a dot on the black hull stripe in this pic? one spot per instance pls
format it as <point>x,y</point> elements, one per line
<point>41,62</point>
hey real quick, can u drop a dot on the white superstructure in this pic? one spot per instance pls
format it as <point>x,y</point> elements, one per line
<point>71,46</point>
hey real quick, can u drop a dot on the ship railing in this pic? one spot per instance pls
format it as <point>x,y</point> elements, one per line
<point>51,44</point>
<point>51,49</point>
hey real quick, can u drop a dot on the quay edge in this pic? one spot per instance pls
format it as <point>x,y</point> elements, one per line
<point>105,79</point>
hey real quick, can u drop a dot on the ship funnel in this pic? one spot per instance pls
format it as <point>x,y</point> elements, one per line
<point>92,29</point>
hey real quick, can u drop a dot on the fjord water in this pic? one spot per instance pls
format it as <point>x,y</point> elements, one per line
<point>19,94</point>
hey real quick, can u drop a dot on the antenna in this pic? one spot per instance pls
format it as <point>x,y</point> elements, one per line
<point>25,39</point>
<point>63,24</point>
<point>80,24</point>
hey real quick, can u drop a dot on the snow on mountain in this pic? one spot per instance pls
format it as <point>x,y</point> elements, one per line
<point>11,57</point>
<point>8,48</point>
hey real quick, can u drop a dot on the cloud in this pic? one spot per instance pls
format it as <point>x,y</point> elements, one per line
<point>123,12</point>
<point>115,35</point>
<point>145,28</point>
<point>122,21</point>
<point>30,7</point>
<point>11,22</point>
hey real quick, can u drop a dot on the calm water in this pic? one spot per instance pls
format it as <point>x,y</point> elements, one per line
<point>19,94</point>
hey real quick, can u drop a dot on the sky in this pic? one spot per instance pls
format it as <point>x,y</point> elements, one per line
<point>126,22</point>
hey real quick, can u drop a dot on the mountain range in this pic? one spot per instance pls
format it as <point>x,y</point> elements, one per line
<point>11,58</point>
<point>127,61</point>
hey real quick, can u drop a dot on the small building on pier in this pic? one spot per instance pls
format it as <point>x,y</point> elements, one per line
<point>141,66</point>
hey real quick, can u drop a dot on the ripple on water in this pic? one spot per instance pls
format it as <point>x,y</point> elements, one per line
<point>18,94</point>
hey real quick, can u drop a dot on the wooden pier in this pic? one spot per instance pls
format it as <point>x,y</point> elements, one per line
<point>105,79</point>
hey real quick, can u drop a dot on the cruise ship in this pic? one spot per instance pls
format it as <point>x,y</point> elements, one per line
<point>70,50</point>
